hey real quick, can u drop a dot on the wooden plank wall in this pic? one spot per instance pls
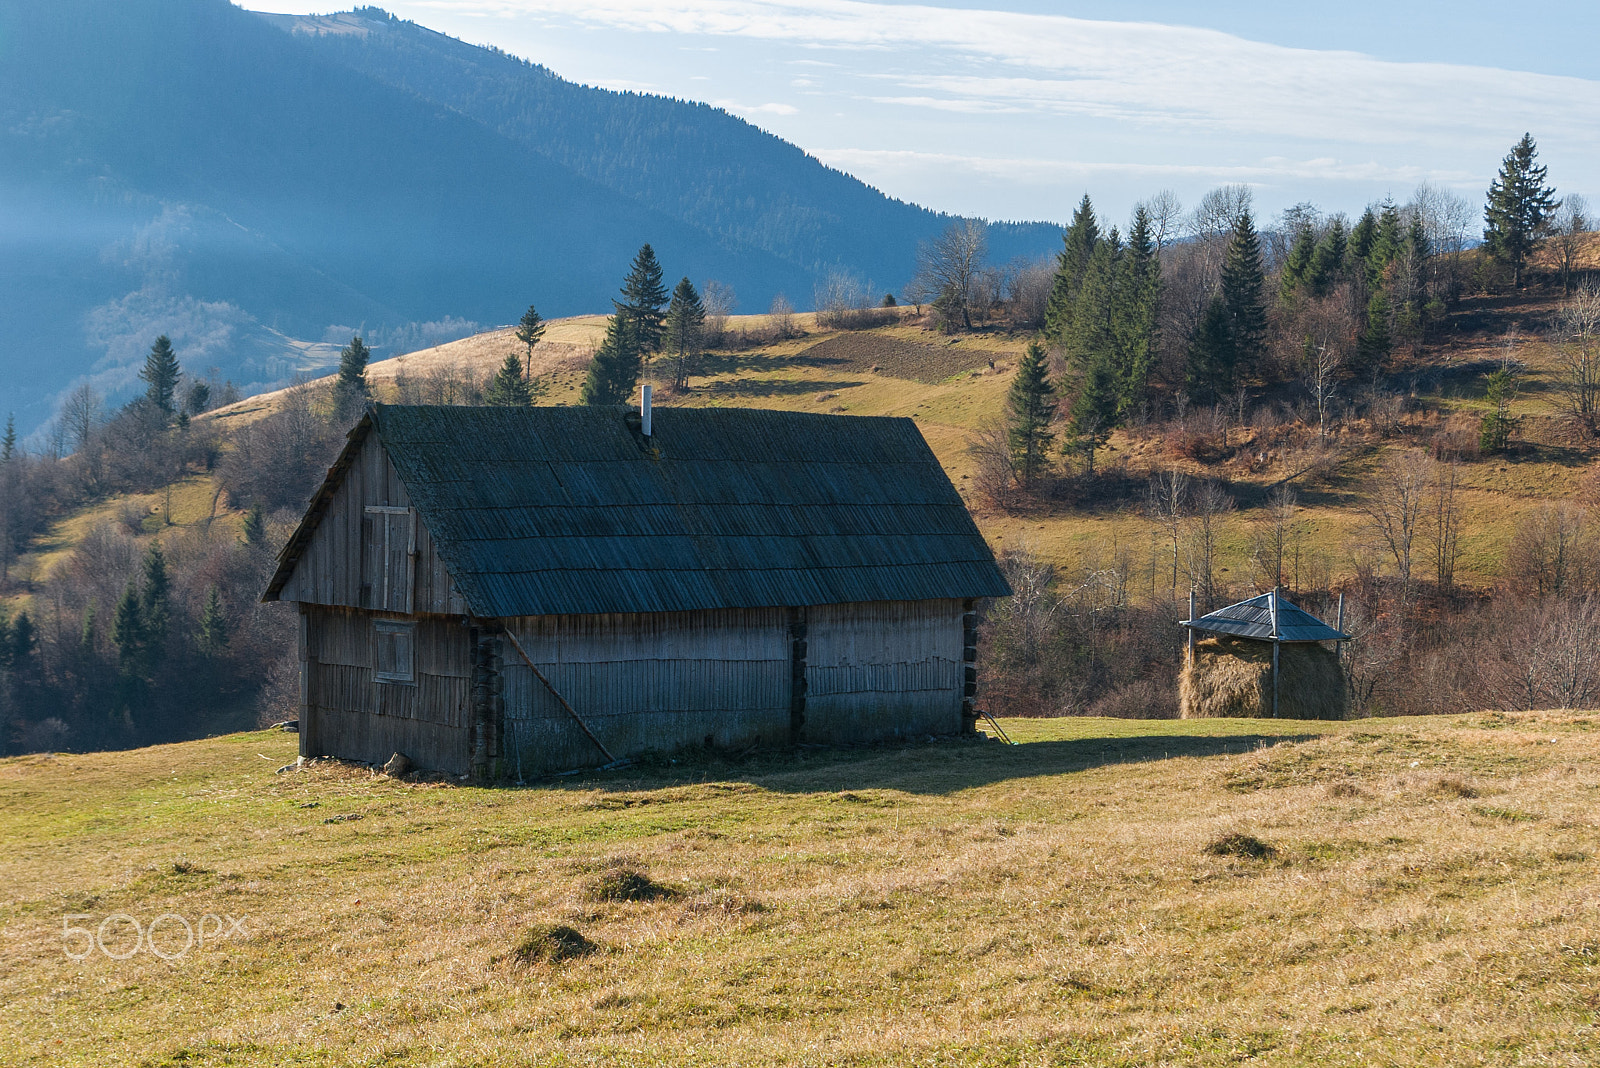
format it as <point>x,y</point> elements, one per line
<point>653,682</point>
<point>337,566</point>
<point>354,717</point>
<point>887,669</point>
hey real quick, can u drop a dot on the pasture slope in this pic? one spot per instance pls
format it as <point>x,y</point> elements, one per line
<point>1399,892</point>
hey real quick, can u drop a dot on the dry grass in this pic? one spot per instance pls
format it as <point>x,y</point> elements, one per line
<point>963,904</point>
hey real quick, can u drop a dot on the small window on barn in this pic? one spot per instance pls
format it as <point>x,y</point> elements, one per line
<point>396,651</point>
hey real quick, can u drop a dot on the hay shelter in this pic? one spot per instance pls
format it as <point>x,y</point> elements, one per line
<point>1262,658</point>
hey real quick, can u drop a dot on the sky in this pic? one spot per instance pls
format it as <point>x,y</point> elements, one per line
<point>1016,109</point>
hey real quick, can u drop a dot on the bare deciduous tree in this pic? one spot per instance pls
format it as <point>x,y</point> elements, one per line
<point>1274,538</point>
<point>1166,213</point>
<point>1394,509</point>
<point>1554,551</point>
<point>719,301</point>
<point>1028,290</point>
<point>1577,348</point>
<point>1166,504</point>
<point>1441,525</point>
<point>1209,507</point>
<point>1568,231</point>
<point>947,270</point>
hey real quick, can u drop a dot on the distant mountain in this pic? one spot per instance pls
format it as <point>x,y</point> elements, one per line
<point>260,186</point>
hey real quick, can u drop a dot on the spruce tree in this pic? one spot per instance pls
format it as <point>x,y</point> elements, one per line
<point>1077,246</point>
<point>128,633</point>
<point>1243,293</point>
<point>212,634</point>
<point>1137,317</point>
<point>529,330</point>
<point>685,326</point>
<point>161,373</point>
<point>1494,432</point>
<point>197,399</point>
<point>509,389</point>
<point>1208,375</point>
<point>1030,404</point>
<point>1376,341</point>
<point>1095,412</point>
<point>1363,239</point>
<point>1297,266</point>
<point>1327,261</point>
<point>350,388</point>
<point>1090,336</point>
<point>1388,243</point>
<point>24,643</point>
<point>8,443</point>
<point>255,526</point>
<point>1520,206</point>
<point>615,368</point>
<point>155,607</point>
<point>644,300</point>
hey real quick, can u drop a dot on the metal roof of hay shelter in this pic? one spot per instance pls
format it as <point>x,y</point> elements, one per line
<point>556,511</point>
<point>1254,618</point>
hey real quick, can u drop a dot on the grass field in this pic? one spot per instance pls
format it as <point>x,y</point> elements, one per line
<point>1427,896</point>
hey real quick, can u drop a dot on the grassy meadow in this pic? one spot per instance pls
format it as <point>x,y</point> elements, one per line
<point>1402,892</point>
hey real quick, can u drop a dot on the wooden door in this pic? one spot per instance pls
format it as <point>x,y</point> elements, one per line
<point>388,556</point>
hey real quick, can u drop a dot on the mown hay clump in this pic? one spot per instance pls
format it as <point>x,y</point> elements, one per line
<point>622,880</point>
<point>551,943</point>
<point>1233,677</point>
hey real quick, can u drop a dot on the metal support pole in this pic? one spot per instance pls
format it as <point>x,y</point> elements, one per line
<point>1191,624</point>
<point>1272,600</point>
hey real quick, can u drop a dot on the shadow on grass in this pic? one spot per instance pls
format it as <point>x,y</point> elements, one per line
<point>941,767</point>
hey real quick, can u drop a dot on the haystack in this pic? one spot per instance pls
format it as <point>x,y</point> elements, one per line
<point>1233,677</point>
<point>1262,657</point>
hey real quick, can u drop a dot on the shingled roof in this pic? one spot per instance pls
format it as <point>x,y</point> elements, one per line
<point>554,511</point>
<point>1253,619</point>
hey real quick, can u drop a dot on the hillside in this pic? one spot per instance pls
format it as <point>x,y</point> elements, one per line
<point>1421,897</point>
<point>188,167</point>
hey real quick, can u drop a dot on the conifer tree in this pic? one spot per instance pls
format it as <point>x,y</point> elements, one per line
<point>1030,404</point>
<point>509,389</point>
<point>1494,432</point>
<point>1327,261</point>
<point>1243,289</point>
<point>255,526</point>
<point>1095,412</point>
<point>644,301</point>
<point>685,326</point>
<point>615,368</point>
<point>1376,341</point>
<point>1358,257</point>
<point>86,635</point>
<point>1089,335</point>
<point>128,633</point>
<point>350,388</point>
<point>212,633</point>
<point>1520,206</point>
<point>161,373</point>
<point>529,330</point>
<point>1077,246</point>
<point>1210,368</point>
<point>8,443</point>
<point>1297,266</point>
<point>155,601</point>
<point>24,643</point>
<point>1388,243</point>
<point>1137,319</point>
<point>198,398</point>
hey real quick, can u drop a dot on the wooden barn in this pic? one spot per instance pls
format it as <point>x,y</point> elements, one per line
<point>1263,657</point>
<point>509,591</point>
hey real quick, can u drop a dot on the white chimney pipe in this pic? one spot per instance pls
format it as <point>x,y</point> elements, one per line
<point>644,409</point>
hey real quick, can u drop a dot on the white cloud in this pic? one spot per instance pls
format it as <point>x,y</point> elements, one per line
<point>1127,71</point>
<point>756,109</point>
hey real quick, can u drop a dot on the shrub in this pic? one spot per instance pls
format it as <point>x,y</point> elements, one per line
<point>623,881</point>
<point>1236,844</point>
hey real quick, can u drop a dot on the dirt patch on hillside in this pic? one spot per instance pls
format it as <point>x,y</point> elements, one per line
<point>911,360</point>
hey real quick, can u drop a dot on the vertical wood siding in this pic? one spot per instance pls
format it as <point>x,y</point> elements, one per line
<point>346,560</point>
<point>886,669</point>
<point>664,681</point>
<point>355,717</point>
<point>660,681</point>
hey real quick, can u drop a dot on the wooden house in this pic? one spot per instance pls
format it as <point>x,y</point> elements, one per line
<point>508,591</point>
